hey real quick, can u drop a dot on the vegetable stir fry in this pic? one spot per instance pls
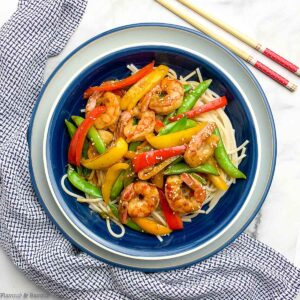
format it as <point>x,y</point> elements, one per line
<point>152,151</point>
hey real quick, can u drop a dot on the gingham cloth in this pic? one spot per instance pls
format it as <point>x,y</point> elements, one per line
<point>246,269</point>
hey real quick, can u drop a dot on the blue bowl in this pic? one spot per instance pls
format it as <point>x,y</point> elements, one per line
<point>202,228</point>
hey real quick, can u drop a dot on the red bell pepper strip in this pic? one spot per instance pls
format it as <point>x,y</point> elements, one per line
<point>173,220</point>
<point>215,104</point>
<point>75,148</point>
<point>116,85</point>
<point>150,158</point>
<point>158,125</point>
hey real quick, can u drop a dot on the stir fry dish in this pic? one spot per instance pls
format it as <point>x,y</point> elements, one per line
<point>152,151</point>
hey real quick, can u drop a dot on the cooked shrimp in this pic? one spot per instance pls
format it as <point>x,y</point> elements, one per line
<point>144,126</point>
<point>123,121</point>
<point>202,146</point>
<point>165,97</point>
<point>184,198</point>
<point>138,200</point>
<point>112,103</point>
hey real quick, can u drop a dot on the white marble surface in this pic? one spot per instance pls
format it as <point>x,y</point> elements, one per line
<point>274,23</point>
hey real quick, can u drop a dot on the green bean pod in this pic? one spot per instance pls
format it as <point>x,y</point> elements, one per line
<point>166,118</point>
<point>117,186</point>
<point>133,146</point>
<point>187,88</point>
<point>129,176</point>
<point>81,184</point>
<point>182,124</point>
<point>199,178</point>
<point>92,135</point>
<point>190,100</point>
<point>184,168</point>
<point>224,161</point>
<point>70,127</point>
<point>129,223</point>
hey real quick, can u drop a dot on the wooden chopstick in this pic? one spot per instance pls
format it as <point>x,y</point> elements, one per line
<point>244,38</point>
<point>241,53</point>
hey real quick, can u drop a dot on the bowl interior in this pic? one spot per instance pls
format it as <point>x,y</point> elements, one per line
<point>202,228</point>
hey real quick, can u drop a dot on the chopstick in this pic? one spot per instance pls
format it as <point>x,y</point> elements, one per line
<point>238,51</point>
<point>244,38</point>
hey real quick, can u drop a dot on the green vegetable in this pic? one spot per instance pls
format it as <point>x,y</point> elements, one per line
<point>129,223</point>
<point>187,88</point>
<point>133,146</point>
<point>92,135</point>
<point>190,100</point>
<point>135,121</point>
<point>129,176</point>
<point>70,127</point>
<point>166,118</point>
<point>184,168</point>
<point>224,161</point>
<point>117,186</point>
<point>199,178</point>
<point>182,124</point>
<point>81,184</point>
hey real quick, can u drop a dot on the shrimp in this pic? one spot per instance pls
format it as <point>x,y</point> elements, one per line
<point>202,146</point>
<point>138,200</point>
<point>112,103</point>
<point>165,97</point>
<point>144,126</point>
<point>184,198</point>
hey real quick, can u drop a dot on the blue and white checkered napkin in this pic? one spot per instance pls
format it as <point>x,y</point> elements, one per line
<point>246,269</point>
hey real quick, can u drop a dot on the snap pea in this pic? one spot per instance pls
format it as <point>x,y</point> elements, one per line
<point>135,121</point>
<point>166,118</point>
<point>190,100</point>
<point>133,146</point>
<point>81,184</point>
<point>199,178</point>
<point>184,168</point>
<point>176,161</point>
<point>129,223</point>
<point>70,127</point>
<point>92,135</point>
<point>117,186</point>
<point>187,88</point>
<point>224,161</point>
<point>129,176</point>
<point>182,124</point>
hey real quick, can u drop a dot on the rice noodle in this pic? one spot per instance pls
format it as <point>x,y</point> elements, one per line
<point>159,218</point>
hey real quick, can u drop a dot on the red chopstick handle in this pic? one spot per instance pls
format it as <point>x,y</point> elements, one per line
<point>272,74</point>
<point>282,61</point>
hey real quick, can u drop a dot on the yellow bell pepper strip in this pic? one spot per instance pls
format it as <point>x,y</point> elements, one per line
<point>173,139</point>
<point>110,157</point>
<point>158,180</point>
<point>151,171</point>
<point>151,226</point>
<point>110,178</point>
<point>218,182</point>
<point>116,85</point>
<point>143,86</point>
